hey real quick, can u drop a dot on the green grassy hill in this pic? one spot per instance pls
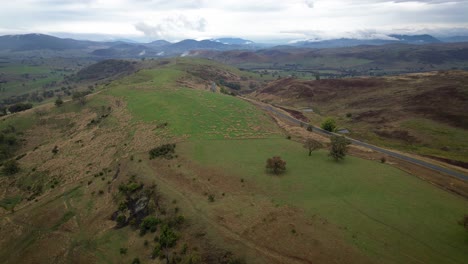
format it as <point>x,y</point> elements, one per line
<point>355,211</point>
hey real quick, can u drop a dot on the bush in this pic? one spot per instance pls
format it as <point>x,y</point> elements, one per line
<point>165,151</point>
<point>149,223</point>
<point>11,167</point>
<point>276,165</point>
<point>123,251</point>
<point>59,102</point>
<point>211,198</point>
<point>383,159</point>
<point>329,125</point>
<point>121,220</point>
<point>168,237</point>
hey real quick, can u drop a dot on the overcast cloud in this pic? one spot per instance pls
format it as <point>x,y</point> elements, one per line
<point>260,20</point>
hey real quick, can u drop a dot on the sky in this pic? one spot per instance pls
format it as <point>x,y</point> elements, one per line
<point>257,20</point>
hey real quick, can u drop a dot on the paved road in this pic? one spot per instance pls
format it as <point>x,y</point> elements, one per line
<point>422,163</point>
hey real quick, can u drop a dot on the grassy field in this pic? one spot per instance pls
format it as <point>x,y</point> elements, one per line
<point>384,211</point>
<point>189,112</point>
<point>18,84</point>
<point>387,213</point>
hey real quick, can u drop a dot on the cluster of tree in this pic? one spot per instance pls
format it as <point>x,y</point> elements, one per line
<point>19,107</point>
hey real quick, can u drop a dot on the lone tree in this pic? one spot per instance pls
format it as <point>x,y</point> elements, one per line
<point>80,97</point>
<point>329,124</point>
<point>276,164</point>
<point>311,145</point>
<point>339,147</point>
<point>59,101</point>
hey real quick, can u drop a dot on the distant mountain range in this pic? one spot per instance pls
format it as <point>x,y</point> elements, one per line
<point>348,42</point>
<point>162,48</point>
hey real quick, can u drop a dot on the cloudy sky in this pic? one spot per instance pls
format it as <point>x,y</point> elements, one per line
<point>258,20</point>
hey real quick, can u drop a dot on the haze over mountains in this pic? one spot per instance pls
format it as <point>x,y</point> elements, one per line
<point>31,42</point>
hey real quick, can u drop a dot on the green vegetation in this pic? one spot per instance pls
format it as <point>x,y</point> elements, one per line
<point>166,151</point>
<point>149,223</point>
<point>152,97</point>
<point>276,165</point>
<point>379,206</point>
<point>10,167</point>
<point>339,147</point>
<point>9,203</point>
<point>329,125</point>
<point>312,145</point>
<point>19,107</point>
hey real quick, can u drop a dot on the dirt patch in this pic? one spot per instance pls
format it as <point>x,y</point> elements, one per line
<point>295,114</point>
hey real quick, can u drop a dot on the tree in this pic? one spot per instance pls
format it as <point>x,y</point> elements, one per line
<point>339,147</point>
<point>276,164</point>
<point>329,124</point>
<point>80,97</point>
<point>59,102</point>
<point>311,145</point>
<point>11,167</point>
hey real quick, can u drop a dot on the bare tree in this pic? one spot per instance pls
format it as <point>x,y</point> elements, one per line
<point>311,145</point>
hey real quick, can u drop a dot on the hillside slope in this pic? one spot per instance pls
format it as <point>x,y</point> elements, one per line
<point>157,166</point>
<point>421,113</point>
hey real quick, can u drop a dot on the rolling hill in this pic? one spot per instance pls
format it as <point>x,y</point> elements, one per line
<point>156,166</point>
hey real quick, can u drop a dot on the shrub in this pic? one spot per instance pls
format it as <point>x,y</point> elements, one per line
<point>59,102</point>
<point>55,150</point>
<point>276,165</point>
<point>123,251</point>
<point>329,125</point>
<point>165,151</point>
<point>149,223</point>
<point>121,220</point>
<point>11,167</point>
<point>168,237</point>
<point>211,198</point>
<point>383,159</point>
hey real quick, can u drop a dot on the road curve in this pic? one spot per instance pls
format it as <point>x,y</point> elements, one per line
<point>421,163</point>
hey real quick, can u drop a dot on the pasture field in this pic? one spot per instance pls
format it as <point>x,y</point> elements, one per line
<point>387,213</point>
<point>191,113</point>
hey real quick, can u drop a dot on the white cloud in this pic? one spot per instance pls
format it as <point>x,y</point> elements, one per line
<point>258,20</point>
<point>171,28</point>
<point>309,3</point>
